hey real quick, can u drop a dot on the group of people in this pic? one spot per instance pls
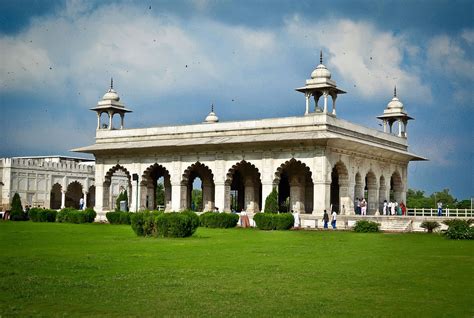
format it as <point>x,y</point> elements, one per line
<point>333,219</point>
<point>393,208</point>
<point>361,206</point>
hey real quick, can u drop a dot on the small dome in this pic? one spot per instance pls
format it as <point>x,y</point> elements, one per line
<point>212,118</point>
<point>111,95</point>
<point>321,72</point>
<point>395,103</point>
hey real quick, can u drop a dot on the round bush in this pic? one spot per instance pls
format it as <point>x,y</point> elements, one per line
<point>459,230</point>
<point>33,214</point>
<point>218,220</point>
<point>143,223</point>
<point>271,221</point>
<point>118,217</point>
<point>363,226</point>
<point>175,225</point>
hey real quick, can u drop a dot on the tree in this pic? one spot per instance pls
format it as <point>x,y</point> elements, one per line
<point>160,194</point>
<point>123,196</point>
<point>271,202</point>
<point>17,213</point>
<point>196,199</point>
<point>445,197</point>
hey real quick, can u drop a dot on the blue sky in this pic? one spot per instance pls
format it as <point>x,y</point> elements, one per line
<point>171,59</point>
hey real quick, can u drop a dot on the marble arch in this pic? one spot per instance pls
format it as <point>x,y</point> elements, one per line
<point>116,180</point>
<point>245,187</point>
<point>203,172</point>
<point>295,186</point>
<point>296,154</point>
<point>149,183</point>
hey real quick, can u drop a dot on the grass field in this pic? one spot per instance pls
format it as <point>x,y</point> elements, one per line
<point>104,270</point>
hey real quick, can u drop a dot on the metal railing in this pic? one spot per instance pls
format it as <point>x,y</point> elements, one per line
<point>447,212</point>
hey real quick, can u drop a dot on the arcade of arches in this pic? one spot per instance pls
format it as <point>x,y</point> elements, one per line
<point>245,187</point>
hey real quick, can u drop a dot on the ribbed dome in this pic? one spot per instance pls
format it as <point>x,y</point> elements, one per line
<point>111,95</point>
<point>212,118</point>
<point>321,72</point>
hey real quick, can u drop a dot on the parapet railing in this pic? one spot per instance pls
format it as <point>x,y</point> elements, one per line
<point>446,212</point>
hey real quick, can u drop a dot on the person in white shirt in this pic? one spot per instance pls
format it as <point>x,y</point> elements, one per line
<point>363,207</point>
<point>81,203</point>
<point>333,219</point>
<point>385,205</point>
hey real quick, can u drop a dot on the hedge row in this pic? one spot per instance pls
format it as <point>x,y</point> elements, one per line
<point>160,224</point>
<point>218,220</point>
<point>70,215</point>
<point>118,217</point>
<point>363,226</point>
<point>271,221</point>
<point>42,215</point>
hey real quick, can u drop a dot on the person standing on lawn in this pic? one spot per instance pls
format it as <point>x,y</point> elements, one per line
<point>325,219</point>
<point>333,219</point>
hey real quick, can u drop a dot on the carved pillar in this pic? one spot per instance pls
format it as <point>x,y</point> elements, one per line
<point>297,194</point>
<point>99,197</point>
<point>98,120</point>
<point>267,188</point>
<point>249,200</point>
<point>321,197</point>
<point>121,121</point>
<point>400,131</point>
<point>222,196</point>
<point>307,95</point>
<point>111,115</point>
<point>207,196</point>
<point>334,104</point>
<point>325,95</point>
<point>177,196</point>
<point>134,206</point>
<point>63,199</point>
<point>85,200</point>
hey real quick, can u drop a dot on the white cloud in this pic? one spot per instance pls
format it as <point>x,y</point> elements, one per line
<point>369,60</point>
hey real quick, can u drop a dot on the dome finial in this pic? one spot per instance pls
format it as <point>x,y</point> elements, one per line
<point>395,91</point>
<point>111,83</point>
<point>320,56</point>
<point>212,107</point>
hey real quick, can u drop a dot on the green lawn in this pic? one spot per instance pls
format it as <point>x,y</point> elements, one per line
<point>104,270</point>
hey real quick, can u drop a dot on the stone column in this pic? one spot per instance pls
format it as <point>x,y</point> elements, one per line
<point>135,194</point>
<point>207,197</point>
<point>400,132</point>
<point>249,191</point>
<point>85,200</point>
<point>307,96</point>
<point>176,196</point>
<point>63,199</point>
<point>150,190</point>
<point>325,95</point>
<point>143,193</point>
<point>167,186</point>
<point>384,125</point>
<point>110,119</point>
<point>222,196</point>
<point>99,195</point>
<point>334,105</point>
<point>321,197</point>
<point>121,121</point>
<point>296,194</point>
<point>98,120</point>
<point>372,200</point>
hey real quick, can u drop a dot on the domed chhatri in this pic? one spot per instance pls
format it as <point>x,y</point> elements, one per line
<point>320,84</point>
<point>212,117</point>
<point>111,105</point>
<point>395,113</point>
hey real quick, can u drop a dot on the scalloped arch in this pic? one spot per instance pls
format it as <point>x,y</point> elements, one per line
<point>193,167</point>
<point>286,165</point>
<point>242,163</point>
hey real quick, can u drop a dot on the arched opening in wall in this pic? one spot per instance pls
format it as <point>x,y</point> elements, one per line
<point>396,187</point>
<point>358,191</point>
<point>245,187</point>
<point>295,187</point>
<point>117,180</point>
<point>382,193</point>
<point>204,174</point>
<point>156,188</point>
<point>55,197</point>
<point>116,121</point>
<point>370,192</point>
<point>73,195</point>
<point>91,197</point>
<point>104,120</point>
<point>339,197</point>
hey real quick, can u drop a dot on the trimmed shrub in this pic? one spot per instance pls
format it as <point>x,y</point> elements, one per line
<point>283,221</point>
<point>271,202</point>
<point>363,226</point>
<point>430,225</point>
<point>118,217</point>
<point>71,215</point>
<point>218,220</point>
<point>17,213</point>
<point>143,223</point>
<point>42,215</point>
<point>272,221</point>
<point>459,230</point>
<point>160,224</point>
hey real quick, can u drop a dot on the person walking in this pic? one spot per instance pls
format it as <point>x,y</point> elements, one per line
<point>81,203</point>
<point>385,205</point>
<point>325,219</point>
<point>333,219</point>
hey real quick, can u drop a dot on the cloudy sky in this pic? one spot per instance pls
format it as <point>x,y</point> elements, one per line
<point>171,59</point>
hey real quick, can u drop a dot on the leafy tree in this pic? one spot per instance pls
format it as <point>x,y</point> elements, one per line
<point>464,204</point>
<point>123,196</point>
<point>445,197</point>
<point>17,213</point>
<point>271,202</point>
<point>160,194</point>
<point>196,199</point>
